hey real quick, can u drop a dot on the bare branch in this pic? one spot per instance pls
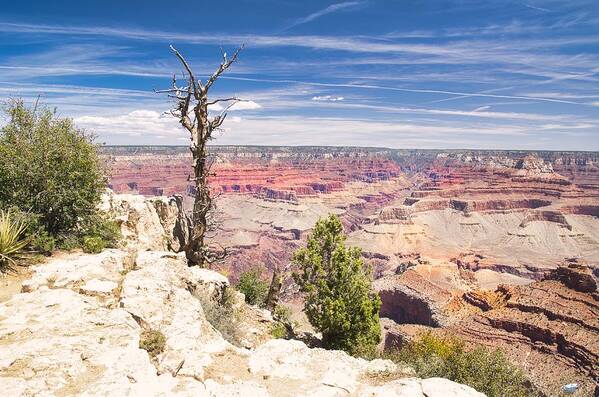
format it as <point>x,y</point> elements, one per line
<point>192,79</point>
<point>224,100</point>
<point>224,65</point>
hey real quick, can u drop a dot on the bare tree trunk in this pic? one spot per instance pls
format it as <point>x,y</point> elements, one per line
<point>274,292</point>
<point>192,111</point>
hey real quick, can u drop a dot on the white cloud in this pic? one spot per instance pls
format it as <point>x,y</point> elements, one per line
<point>595,103</point>
<point>146,123</point>
<point>241,105</point>
<point>246,105</point>
<point>328,98</point>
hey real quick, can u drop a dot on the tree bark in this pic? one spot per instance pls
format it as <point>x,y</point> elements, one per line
<point>192,111</point>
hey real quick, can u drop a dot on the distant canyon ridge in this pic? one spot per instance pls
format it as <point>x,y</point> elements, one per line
<point>490,245</point>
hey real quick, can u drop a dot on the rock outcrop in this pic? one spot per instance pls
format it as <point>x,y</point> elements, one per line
<point>156,223</point>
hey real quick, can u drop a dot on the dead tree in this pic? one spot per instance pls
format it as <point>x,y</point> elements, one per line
<point>191,108</point>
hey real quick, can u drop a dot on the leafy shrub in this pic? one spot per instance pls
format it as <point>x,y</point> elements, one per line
<point>152,341</point>
<point>70,242</point>
<point>282,313</point>
<point>12,242</point>
<point>223,315</point>
<point>50,169</point>
<point>487,371</point>
<point>253,287</point>
<point>105,229</point>
<point>42,242</point>
<point>278,331</point>
<point>339,301</point>
<point>93,245</point>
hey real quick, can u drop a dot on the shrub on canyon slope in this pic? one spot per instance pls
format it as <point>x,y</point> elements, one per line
<point>253,287</point>
<point>50,171</point>
<point>339,300</point>
<point>487,371</point>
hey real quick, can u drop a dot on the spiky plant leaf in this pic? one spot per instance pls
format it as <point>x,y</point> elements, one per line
<point>12,242</point>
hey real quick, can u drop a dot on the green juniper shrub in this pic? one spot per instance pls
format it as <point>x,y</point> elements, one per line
<point>282,316</point>
<point>337,286</point>
<point>253,286</point>
<point>93,244</point>
<point>488,371</point>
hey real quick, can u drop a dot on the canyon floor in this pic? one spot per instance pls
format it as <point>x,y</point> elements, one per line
<point>465,242</point>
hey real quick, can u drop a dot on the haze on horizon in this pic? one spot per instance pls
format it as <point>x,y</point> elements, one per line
<point>436,74</point>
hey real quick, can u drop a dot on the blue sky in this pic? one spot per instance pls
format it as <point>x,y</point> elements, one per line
<point>404,74</point>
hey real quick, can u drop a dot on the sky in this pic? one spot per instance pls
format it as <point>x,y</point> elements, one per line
<point>493,74</point>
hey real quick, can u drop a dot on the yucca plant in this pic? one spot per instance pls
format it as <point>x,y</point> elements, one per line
<point>12,242</point>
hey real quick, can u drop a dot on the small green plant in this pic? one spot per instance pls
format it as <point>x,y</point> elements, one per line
<point>282,313</point>
<point>152,341</point>
<point>223,315</point>
<point>12,242</point>
<point>337,285</point>
<point>253,287</point>
<point>93,245</point>
<point>69,243</point>
<point>43,243</point>
<point>487,371</point>
<point>106,229</point>
<point>278,331</point>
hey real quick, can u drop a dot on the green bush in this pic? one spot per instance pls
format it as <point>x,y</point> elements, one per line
<point>487,371</point>
<point>70,242</point>
<point>339,300</point>
<point>223,315</point>
<point>278,331</point>
<point>282,313</point>
<point>93,245</point>
<point>105,229</point>
<point>42,242</point>
<point>152,341</point>
<point>49,169</point>
<point>253,287</point>
<point>12,240</point>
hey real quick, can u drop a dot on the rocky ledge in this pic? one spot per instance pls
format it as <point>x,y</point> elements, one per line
<point>75,329</point>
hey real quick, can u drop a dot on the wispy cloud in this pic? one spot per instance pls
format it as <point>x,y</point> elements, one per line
<point>533,7</point>
<point>329,98</point>
<point>327,10</point>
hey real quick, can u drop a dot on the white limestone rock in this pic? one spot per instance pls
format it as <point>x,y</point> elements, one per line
<point>97,287</point>
<point>154,223</point>
<point>76,269</point>
<point>157,296</point>
<point>55,341</point>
